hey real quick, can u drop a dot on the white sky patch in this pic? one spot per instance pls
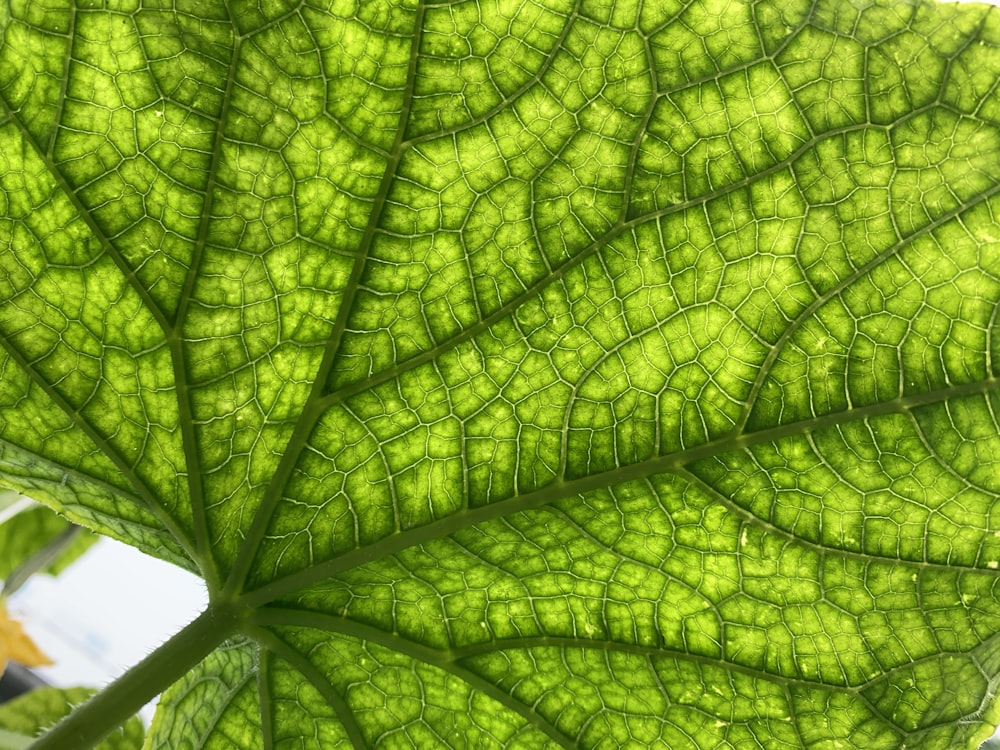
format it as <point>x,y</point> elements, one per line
<point>106,612</point>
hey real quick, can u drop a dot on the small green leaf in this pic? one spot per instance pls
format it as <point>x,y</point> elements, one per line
<point>28,532</point>
<point>13,741</point>
<point>220,691</point>
<point>31,713</point>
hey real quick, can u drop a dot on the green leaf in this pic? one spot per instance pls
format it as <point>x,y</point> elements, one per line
<point>13,741</point>
<point>527,373</point>
<point>31,531</point>
<point>29,714</point>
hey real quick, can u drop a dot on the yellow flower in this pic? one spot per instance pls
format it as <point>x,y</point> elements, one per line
<point>15,645</point>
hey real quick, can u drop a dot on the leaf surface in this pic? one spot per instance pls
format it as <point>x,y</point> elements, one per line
<point>529,374</point>
<point>34,711</point>
<point>37,531</point>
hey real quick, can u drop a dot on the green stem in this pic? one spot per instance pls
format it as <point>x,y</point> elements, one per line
<point>92,721</point>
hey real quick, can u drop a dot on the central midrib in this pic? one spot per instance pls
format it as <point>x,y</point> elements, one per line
<point>675,463</point>
<point>313,407</point>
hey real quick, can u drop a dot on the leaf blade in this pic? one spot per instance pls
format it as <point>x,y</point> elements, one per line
<point>644,392</point>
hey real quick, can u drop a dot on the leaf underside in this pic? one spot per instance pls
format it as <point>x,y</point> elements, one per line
<point>536,373</point>
<point>39,708</point>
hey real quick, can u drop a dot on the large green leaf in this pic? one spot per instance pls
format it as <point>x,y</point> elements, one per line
<point>521,373</point>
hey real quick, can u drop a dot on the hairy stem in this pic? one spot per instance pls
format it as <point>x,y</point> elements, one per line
<point>93,720</point>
